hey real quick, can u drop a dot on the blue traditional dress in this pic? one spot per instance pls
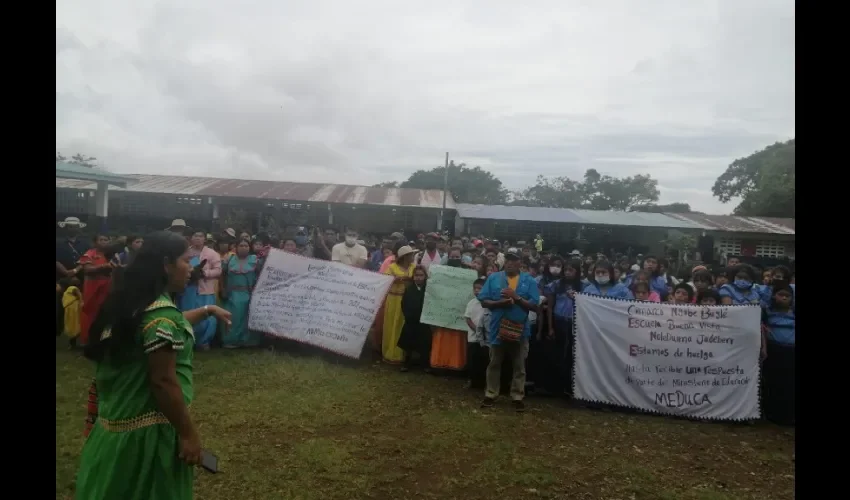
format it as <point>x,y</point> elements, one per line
<point>241,278</point>
<point>191,299</point>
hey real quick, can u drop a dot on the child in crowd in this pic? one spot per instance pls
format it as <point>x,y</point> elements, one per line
<point>708,297</point>
<point>415,336</point>
<point>643,276</point>
<point>640,291</point>
<point>72,303</point>
<point>476,347</point>
<point>683,293</point>
<point>779,324</point>
<point>720,277</point>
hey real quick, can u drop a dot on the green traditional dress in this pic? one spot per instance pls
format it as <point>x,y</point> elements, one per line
<point>131,453</point>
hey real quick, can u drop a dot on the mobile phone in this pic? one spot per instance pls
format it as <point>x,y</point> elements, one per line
<point>209,461</point>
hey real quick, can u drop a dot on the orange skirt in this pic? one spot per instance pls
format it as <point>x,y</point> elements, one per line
<point>448,349</point>
<point>376,333</point>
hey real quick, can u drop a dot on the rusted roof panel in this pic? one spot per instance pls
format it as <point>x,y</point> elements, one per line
<point>735,224</point>
<point>275,190</point>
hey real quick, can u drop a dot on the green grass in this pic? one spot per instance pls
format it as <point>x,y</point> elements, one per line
<point>287,427</point>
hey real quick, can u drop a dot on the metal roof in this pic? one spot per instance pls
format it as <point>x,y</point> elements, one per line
<point>694,221</point>
<point>735,224</point>
<point>506,212</point>
<point>571,216</point>
<point>70,171</point>
<point>276,190</point>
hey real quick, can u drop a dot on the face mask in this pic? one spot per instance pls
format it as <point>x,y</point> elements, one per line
<point>431,245</point>
<point>555,271</point>
<point>350,240</point>
<point>467,259</point>
<point>743,284</point>
<point>453,262</point>
<point>603,280</point>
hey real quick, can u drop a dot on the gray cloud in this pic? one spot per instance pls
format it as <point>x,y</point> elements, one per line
<point>361,92</point>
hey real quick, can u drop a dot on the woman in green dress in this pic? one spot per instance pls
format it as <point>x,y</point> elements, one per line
<point>143,444</point>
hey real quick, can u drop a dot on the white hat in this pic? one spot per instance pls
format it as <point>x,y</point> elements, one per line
<point>230,232</point>
<point>177,223</point>
<point>71,222</point>
<point>407,249</point>
<point>575,252</point>
<point>635,268</point>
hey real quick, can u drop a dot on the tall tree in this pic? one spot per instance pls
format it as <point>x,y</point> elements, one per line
<point>467,185</point>
<point>595,192</point>
<point>389,184</point>
<point>77,159</point>
<point>764,181</point>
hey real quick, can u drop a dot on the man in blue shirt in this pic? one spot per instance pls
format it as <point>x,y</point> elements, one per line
<point>509,295</point>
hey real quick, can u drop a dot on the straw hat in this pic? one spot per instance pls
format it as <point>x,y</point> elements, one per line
<point>71,222</point>
<point>177,224</point>
<point>230,232</point>
<point>405,250</point>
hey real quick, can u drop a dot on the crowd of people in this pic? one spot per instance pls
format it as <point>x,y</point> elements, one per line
<point>141,306</point>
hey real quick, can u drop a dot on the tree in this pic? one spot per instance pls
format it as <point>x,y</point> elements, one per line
<point>391,184</point>
<point>595,192</point>
<point>467,185</point>
<point>764,181</point>
<point>77,159</point>
<point>676,208</point>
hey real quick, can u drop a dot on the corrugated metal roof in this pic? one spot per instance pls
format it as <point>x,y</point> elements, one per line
<point>276,190</point>
<point>506,212</point>
<point>735,224</point>
<point>639,219</point>
<point>571,216</point>
<point>731,223</point>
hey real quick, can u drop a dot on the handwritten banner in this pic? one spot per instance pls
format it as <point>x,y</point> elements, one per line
<point>686,360</point>
<point>448,292</point>
<point>326,304</point>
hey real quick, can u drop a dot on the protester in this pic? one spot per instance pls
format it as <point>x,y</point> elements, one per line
<point>510,296</point>
<point>97,271</point>
<point>288,245</point>
<point>239,277</point>
<point>600,282</point>
<point>476,344</point>
<point>683,293</point>
<point>350,252</point>
<point>740,289</point>
<point>432,254</point>
<point>402,271</point>
<point>779,366</point>
<point>72,303</point>
<point>200,292</point>
<point>556,373</point>
<point>143,444</point>
<point>415,336</point>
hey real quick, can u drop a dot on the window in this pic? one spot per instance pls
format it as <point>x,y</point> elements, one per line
<point>729,246</point>
<point>773,249</point>
<point>190,200</point>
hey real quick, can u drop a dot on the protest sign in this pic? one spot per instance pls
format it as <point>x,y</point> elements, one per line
<point>686,360</point>
<point>448,292</point>
<point>327,304</point>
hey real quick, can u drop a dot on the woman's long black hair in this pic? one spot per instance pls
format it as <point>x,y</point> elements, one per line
<point>144,280</point>
<point>575,283</point>
<point>605,264</point>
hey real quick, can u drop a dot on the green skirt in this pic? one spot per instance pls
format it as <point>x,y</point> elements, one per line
<point>141,464</point>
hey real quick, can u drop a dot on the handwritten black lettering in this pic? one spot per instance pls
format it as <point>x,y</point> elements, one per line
<point>678,399</point>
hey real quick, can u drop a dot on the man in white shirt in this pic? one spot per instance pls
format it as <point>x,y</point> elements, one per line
<point>350,252</point>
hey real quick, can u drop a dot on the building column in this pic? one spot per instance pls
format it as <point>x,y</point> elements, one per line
<point>101,206</point>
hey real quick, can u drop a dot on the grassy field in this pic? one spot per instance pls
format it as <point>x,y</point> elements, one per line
<point>289,427</point>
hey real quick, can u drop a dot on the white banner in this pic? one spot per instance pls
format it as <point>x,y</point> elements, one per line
<point>694,361</point>
<point>326,304</point>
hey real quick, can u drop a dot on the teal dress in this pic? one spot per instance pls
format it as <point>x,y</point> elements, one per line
<point>241,277</point>
<point>131,453</point>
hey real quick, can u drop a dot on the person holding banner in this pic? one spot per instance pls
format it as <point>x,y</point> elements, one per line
<point>779,367</point>
<point>448,347</point>
<point>402,271</point>
<point>557,372</point>
<point>510,296</point>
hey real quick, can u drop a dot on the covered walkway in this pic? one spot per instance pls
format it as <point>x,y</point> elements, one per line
<point>103,179</point>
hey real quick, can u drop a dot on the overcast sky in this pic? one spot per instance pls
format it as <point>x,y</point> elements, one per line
<point>359,92</point>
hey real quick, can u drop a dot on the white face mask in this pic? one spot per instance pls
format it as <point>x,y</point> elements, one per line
<point>602,280</point>
<point>350,240</point>
<point>555,271</point>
